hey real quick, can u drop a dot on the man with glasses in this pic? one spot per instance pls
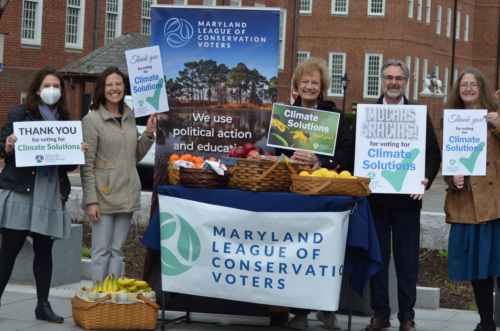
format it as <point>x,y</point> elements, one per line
<point>397,220</point>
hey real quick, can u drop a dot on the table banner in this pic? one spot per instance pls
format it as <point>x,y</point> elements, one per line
<point>464,142</point>
<point>390,147</point>
<point>277,258</point>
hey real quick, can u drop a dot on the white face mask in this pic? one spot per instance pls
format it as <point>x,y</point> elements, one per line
<point>50,95</point>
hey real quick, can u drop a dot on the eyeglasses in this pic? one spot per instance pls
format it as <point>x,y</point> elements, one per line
<point>397,78</point>
<point>464,86</point>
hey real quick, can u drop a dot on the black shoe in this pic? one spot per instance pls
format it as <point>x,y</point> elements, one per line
<point>490,327</point>
<point>44,312</point>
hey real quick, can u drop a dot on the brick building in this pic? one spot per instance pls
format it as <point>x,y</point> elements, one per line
<point>356,37</point>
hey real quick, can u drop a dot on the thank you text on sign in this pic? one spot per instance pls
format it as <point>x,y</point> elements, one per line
<point>44,143</point>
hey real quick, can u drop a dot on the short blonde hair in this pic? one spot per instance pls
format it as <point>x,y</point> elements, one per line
<point>309,65</point>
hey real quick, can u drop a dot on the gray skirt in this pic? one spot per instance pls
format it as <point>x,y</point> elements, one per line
<point>42,212</point>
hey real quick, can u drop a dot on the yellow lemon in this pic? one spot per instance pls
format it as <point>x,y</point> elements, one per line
<point>354,177</point>
<point>318,173</point>
<point>304,173</point>
<point>331,174</point>
<point>345,174</point>
<point>324,170</point>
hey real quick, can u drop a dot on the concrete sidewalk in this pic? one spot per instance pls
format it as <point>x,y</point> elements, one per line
<point>19,301</point>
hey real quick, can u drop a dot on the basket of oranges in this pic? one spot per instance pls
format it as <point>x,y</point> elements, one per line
<point>192,171</point>
<point>328,182</point>
<point>173,169</point>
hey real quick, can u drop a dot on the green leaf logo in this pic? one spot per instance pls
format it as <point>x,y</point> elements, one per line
<point>177,230</point>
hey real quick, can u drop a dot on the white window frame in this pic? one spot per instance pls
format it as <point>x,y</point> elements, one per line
<point>457,26</point>
<point>24,95</point>
<point>258,4</point>
<point>305,6</point>
<point>375,74</point>
<point>410,9</point>
<point>235,3</point>
<point>118,28</point>
<point>416,78</point>
<point>36,21</point>
<point>466,29</point>
<point>425,70</point>
<point>370,8</point>
<point>146,16</point>
<point>448,23</point>
<point>455,75</point>
<point>180,2</point>
<point>428,12</point>
<point>79,24</point>
<point>407,88</point>
<point>209,2</point>
<point>302,55</point>
<point>336,89</point>
<point>445,84</point>
<point>337,12</point>
<point>282,39</point>
<point>438,19</point>
<point>419,10</point>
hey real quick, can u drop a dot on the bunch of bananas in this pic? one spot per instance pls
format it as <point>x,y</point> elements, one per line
<point>121,285</point>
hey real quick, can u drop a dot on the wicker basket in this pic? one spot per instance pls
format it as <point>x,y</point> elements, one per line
<point>233,183</point>
<point>115,316</point>
<point>174,177</point>
<point>203,178</point>
<point>311,185</point>
<point>262,176</point>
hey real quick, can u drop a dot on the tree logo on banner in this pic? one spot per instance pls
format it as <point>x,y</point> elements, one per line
<point>183,237</point>
<point>178,32</point>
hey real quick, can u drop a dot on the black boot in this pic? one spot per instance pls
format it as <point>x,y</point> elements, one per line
<point>490,327</point>
<point>44,312</point>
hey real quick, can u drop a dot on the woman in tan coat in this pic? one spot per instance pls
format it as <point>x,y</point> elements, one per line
<point>110,182</point>
<point>472,203</point>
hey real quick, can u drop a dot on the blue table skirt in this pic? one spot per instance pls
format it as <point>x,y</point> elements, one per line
<point>362,257</point>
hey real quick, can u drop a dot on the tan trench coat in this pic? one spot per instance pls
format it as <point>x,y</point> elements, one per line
<point>109,176</point>
<point>482,202</point>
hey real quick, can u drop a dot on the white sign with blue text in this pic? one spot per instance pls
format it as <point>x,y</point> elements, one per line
<point>147,81</point>
<point>390,147</point>
<point>44,143</point>
<point>464,142</point>
<point>287,259</point>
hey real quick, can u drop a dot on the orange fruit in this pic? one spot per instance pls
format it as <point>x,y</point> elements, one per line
<point>198,164</point>
<point>173,157</point>
<point>187,157</point>
<point>198,159</point>
<point>212,159</point>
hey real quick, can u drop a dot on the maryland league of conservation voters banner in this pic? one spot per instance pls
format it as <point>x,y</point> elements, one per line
<point>302,128</point>
<point>390,147</point>
<point>464,142</point>
<point>221,67</point>
<point>285,259</point>
<point>147,80</point>
<point>44,143</point>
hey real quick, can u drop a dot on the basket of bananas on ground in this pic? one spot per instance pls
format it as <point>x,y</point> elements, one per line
<point>116,304</point>
<point>328,182</point>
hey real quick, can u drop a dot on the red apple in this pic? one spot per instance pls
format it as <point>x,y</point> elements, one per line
<point>248,147</point>
<point>253,153</point>
<point>269,153</point>
<point>259,150</point>
<point>237,151</point>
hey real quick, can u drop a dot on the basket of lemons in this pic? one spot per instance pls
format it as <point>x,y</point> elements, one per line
<point>328,182</point>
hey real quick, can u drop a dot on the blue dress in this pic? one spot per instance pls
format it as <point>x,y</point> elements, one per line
<point>473,252</point>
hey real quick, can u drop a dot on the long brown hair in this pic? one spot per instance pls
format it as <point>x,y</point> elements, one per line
<point>486,95</point>
<point>99,98</point>
<point>33,98</point>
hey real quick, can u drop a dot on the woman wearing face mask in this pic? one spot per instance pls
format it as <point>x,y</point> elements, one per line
<point>33,199</point>
<point>110,182</point>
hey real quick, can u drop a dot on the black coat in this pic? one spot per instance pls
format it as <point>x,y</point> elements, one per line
<point>432,164</point>
<point>22,179</point>
<point>343,159</point>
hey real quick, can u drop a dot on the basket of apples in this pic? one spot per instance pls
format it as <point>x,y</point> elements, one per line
<point>328,182</point>
<point>262,172</point>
